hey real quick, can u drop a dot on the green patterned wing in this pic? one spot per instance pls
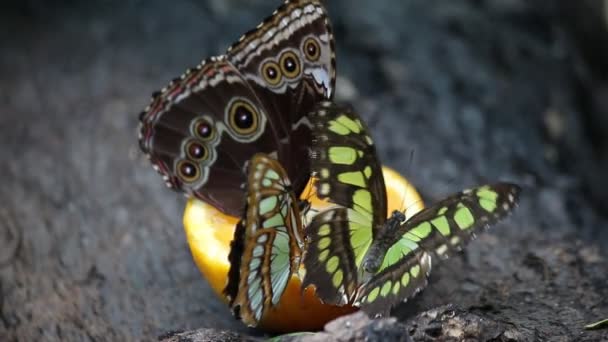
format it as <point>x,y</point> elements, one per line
<point>330,258</point>
<point>439,229</point>
<point>339,241</point>
<point>345,163</point>
<point>403,274</point>
<point>267,243</point>
<point>448,225</point>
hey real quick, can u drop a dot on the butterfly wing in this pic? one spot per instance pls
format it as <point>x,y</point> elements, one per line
<point>289,61</point>
<point>207,124</point>
<point>345,163</point>
<point>448,225</point>
<point>267,243</point>
<point>344,159</point>
<point>439,229</point>
<point>403,274</point>
<point>337,238</point>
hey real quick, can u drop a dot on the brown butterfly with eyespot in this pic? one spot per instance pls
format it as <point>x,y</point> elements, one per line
<point>201,130</point>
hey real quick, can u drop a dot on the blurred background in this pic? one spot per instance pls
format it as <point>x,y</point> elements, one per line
<point>91,241</point>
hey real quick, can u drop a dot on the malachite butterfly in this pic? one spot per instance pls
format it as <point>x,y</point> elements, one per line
<point>355,254</point>
<point>203,127</point>
<point>267,244</point>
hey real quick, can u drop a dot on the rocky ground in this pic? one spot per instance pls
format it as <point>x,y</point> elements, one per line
<point>91,243</point>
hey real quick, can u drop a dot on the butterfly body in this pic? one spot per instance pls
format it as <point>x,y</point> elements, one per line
<point>388,236</point>
<point>355,254</point>
<point>201,130</point>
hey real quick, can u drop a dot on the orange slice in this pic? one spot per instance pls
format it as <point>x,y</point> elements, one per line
<point>209,233</point>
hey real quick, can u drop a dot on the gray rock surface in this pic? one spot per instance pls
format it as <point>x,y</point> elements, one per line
<point>91,243</point>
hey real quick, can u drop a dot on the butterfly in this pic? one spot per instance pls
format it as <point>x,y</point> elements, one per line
<point>355,254</point>
<point>200,130</point>
<point>268,241</point>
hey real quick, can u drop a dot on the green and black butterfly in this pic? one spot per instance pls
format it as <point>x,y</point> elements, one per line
<point>267,244</point>
<point>201,129</point>
<point>356,255</point>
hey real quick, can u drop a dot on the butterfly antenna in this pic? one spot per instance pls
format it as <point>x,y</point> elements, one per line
<point>410,161</point>
<point>404,199</point>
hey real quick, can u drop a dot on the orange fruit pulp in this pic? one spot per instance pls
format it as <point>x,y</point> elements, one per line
<point>209,233</point>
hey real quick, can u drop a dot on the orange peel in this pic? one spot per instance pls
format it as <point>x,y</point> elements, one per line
<point>209,233</point>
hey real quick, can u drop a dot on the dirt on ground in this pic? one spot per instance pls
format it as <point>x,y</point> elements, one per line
<point>91,242</point>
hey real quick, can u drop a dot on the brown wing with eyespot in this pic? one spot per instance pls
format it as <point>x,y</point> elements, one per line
<point>289,60</point>
<point>185,130</point>
<point>206,126</point>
